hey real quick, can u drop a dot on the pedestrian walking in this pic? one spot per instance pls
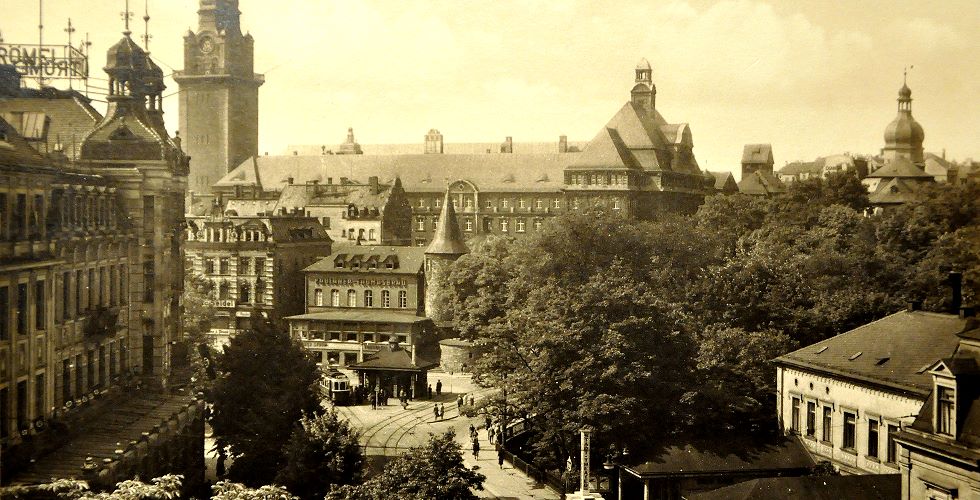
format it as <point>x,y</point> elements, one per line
<point>500,456</point>
<point>220,467</point>
<point>459,403</point>
<point>435,412</point>
<point>472,430</point>
<point>374,401</point>
<point>429,391</point>
<point>442,411</point>
<point>438,387</point>
<point>487,422</point>
<point>476,449</point>
<point>490,434</point>
<point>472,400</point>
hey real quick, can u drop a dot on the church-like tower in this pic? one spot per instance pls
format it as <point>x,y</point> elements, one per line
<point>447,246</point>
<point>904,135</point>
<point>219,95</point>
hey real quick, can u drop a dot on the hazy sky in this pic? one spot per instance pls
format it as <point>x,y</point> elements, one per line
<point>810,77</point>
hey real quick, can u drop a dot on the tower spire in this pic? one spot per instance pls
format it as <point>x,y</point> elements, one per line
<point>447,240</point>
<point>126,14</point>
<point>146,26</point>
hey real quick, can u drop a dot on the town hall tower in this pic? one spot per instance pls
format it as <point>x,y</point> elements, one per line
<point>219,95</point>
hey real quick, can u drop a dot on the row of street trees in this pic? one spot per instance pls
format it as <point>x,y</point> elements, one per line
<point>646,330</point>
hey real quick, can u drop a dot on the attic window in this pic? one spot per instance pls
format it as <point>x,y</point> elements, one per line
<point>882,361</point>
<point>122,134</point>
<point>821,350</point>
<point>339,264</point>
<point>855,356</point>
<point>542,178</point>
<point>509,178</point>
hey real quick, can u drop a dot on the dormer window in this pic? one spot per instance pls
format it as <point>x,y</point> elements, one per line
<point>946,410</point>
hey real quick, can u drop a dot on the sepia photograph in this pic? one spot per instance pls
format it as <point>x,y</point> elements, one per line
<point>504,249</point>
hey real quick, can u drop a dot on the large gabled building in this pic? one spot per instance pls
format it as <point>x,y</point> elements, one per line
<point>637,164</point>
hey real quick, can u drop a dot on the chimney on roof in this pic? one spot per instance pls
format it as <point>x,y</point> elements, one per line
<point>508,145</point>
<point>323,150</point>
<point>329,180</point>
<point>295,153</point>
<point>9,81</point>
<point>433,142</point>
<point>956,283</point>
<point>373,181</point>
<point>562,143</point>
<point>289,180</point>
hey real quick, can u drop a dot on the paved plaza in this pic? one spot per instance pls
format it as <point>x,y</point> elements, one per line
<point>391,430</point>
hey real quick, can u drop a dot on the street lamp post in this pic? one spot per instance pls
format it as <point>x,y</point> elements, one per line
<point>615,460</point>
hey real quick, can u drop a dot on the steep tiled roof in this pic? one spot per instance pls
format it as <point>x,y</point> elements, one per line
<point>14,150</point>
<point>419,172</point>
<point>447,240</point>
<point>761,182</point>
<point>388,359</point>
<point>731,453</point>
<point>724,181</point>
<point>757,153</point>
<point>607,150</point>
<point>410,259</point>
<point>297,229</point>
<point>895,190</point>
<point>899,167</point>
<point>70,116</point>
<point>894,351</point>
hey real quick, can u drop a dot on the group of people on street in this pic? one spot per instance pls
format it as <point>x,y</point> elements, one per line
<point>439,411</point>
<point>475,436</point>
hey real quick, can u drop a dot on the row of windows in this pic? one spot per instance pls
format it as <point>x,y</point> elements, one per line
<point>368,298</point>
<point>350,336</point>
<point>521,203</point>
<point>358,234</point>
<point>247,266</point>
<point>245,296</point>
<point>93,370</point>
<point>504,224</point>
<point>599,179</point>
<point>849,434</point>
<point>24,217</point>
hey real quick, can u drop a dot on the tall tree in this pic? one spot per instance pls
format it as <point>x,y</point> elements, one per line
<point>266,383</point>
<point>433,470</point>
<point>323,452</point>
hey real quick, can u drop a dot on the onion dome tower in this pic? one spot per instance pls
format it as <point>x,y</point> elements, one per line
<point>446,247</point>
<point>904,135</point>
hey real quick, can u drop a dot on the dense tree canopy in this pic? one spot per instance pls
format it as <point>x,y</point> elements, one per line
<point>670,325</point>
<point>266,383</point>
<point>433,470</point>
<point>322,452</point>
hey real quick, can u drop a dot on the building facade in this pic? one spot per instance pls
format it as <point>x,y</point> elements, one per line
<point>941,450</point>
<point>359,299</point>
<point>219,95</point>
<point>252,265</point>
<point>848,397</point>
<point>89,279</point>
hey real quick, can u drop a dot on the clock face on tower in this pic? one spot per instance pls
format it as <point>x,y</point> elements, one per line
<point>207,45</point>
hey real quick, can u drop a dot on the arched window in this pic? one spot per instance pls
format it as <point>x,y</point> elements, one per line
<point>318,297</point>
<point>368,298</point>
<point>370,234</point>
<point>335,298</point>
<point>385,298</point>
<point>351,298</point>
<point>403,299</point>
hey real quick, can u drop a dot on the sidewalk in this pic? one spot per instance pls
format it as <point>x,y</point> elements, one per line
<point>507,483</point>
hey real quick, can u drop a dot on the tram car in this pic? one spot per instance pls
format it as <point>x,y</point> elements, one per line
<point>337,387</point>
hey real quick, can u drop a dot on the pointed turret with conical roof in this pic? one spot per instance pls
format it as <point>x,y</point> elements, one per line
<point>448,240</point>
<point>446,247</point>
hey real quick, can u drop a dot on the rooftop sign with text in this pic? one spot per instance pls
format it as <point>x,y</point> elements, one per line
<point>45,61</point>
